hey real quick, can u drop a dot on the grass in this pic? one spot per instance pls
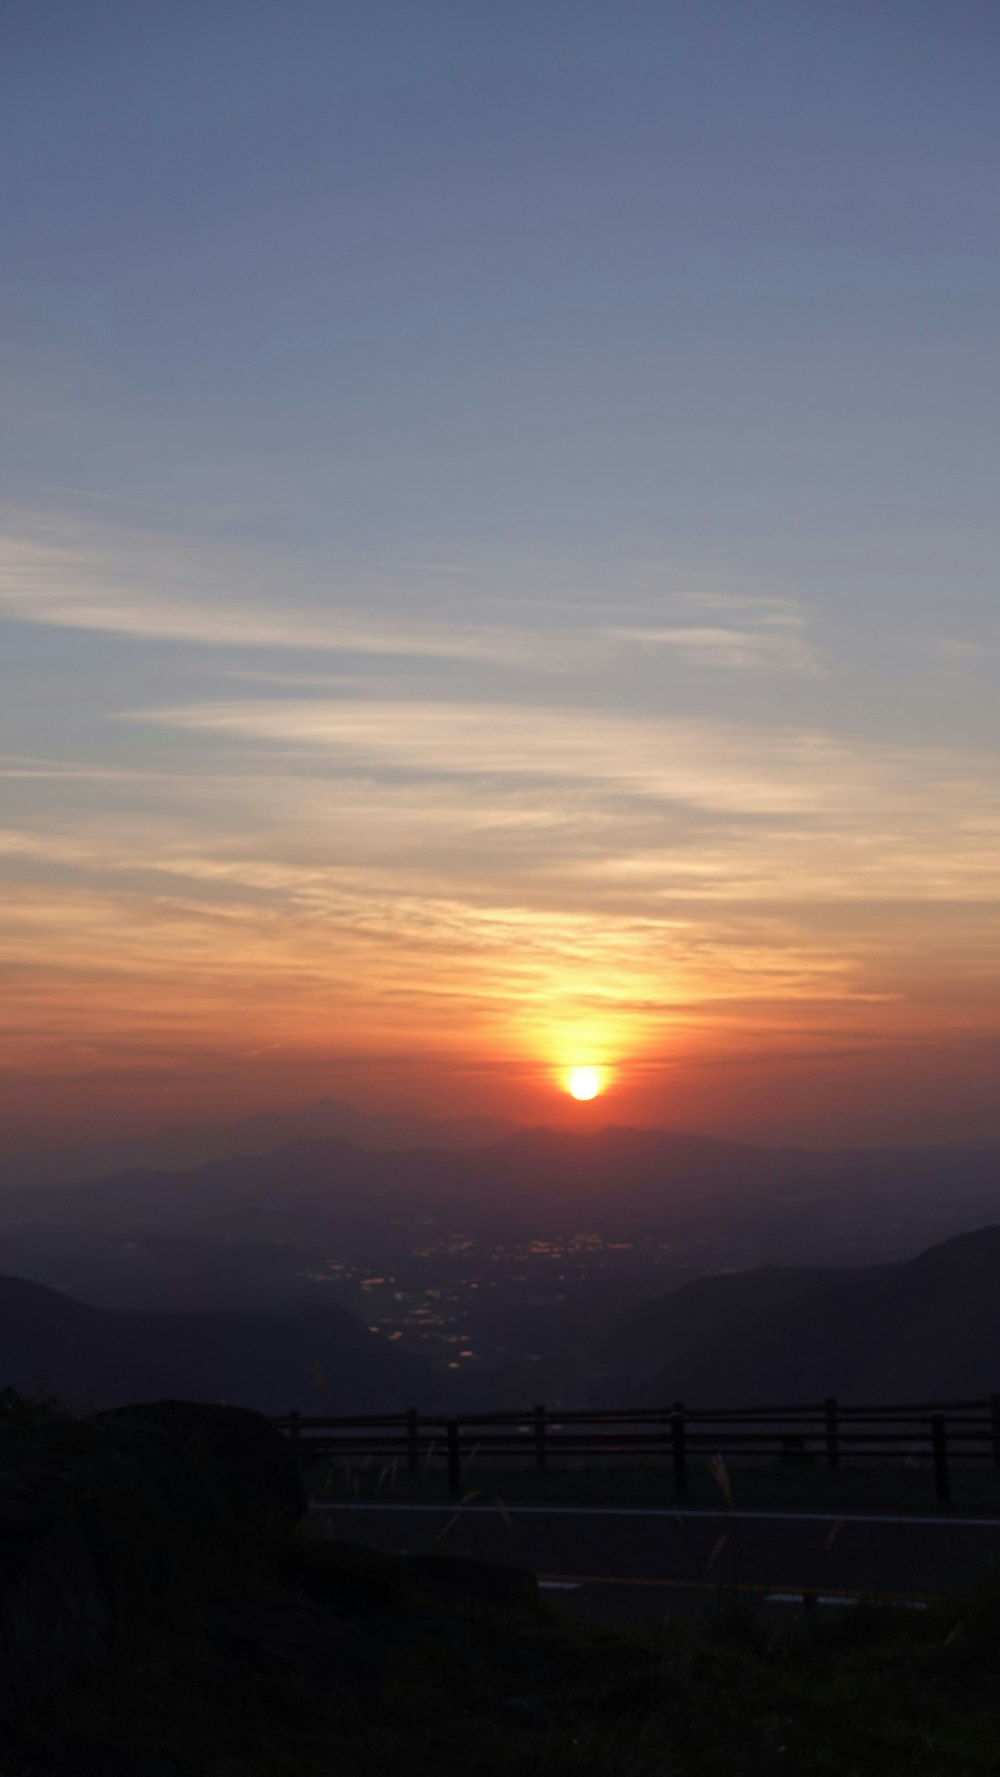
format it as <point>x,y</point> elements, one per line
<point>449,1683</point>
<point>803,1487</point>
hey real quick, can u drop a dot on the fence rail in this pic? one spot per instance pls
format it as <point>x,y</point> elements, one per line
<point>943,1434</point>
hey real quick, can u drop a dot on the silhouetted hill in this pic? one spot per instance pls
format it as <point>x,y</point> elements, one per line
<point>78,1353</point>
<point>923,1330</point>
<point>655,1335</point>
<point>50,1342</point>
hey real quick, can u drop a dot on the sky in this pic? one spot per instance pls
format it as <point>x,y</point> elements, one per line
<point>498,562</point>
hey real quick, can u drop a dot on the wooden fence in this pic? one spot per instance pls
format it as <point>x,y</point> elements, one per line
<point>943,1435</point>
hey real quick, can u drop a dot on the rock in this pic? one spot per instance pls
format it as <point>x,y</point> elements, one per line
<point>295,1638</point>
<point>488,1580</point>
<point>55,1624</point>
<point>350,1579</point>
<point>98,1522</point>
<point>254,1466</point>
<point>79,1755</point>
<point>522,1711</point>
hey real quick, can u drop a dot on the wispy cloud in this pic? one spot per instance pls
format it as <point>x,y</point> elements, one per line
<point>741,650</point>
<point>170,596</point>
<point>728,767</point>
<point>61,589</point>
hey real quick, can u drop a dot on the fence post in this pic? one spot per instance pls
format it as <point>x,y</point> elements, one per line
<point>995,1419</point>
<point>678,1438</point>
<point>831,1415</point>
<point>454,1460</point>
<point>939,1444</point>
<point>412,1440</point>
<point>540,1442</point>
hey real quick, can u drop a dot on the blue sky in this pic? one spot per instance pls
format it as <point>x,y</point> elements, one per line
<point>514,483</point>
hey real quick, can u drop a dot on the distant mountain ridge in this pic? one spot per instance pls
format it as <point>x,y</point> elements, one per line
<point>787,1202</point>
<point>182,1149</point>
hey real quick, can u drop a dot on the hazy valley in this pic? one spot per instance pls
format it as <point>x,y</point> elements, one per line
<point>620,1266</point>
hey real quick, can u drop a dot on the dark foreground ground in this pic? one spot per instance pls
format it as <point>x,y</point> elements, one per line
<point>431,1665</point>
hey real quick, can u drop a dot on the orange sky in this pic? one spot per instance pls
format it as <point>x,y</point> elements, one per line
<point>156,1002</point>
<point>498,567</point>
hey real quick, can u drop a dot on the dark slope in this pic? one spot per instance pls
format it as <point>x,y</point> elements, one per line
<point>272,1362</point>
<point>653,1336</point>
<point>51,1343</point>
<point>924,1330</point>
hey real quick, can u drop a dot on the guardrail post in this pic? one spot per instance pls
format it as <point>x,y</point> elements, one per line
<point>831,1415</point>
<point>454,1459</point>
<point>939,1445</point>
<point>995,1421</point>
<point>541,1453</point>
<point>678,1438</point>
<point>412,1440</point>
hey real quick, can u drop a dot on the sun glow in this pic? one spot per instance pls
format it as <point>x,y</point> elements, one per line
<point>585,1082</point>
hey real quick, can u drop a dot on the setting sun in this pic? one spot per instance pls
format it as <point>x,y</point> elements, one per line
<point>585,1082</point>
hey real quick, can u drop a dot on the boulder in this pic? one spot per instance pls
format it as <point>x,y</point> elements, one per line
<point>295,1638</point>
<point>253,1465</point>
<point>54,1753</point>
<point>490,1581</point>
<point>55,1624</point>
<point>98,1524</point>
<point>350,1579</point>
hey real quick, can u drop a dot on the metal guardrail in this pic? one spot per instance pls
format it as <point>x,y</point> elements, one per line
<point>945,1434</point>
